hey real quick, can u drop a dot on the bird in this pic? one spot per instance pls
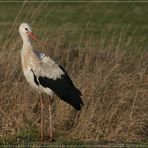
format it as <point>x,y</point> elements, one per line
<point>46,76</point>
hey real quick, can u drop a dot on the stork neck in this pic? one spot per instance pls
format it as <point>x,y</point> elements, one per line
<point>26,44</point>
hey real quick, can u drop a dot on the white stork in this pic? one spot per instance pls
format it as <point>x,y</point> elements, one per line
<point>46,76</point>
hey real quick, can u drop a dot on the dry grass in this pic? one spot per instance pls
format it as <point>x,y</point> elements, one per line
<point>113,81</point>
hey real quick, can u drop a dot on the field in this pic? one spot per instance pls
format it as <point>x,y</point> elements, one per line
<point>104,49</point>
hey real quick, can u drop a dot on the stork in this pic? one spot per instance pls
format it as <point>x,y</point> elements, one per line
<point>46,76</point>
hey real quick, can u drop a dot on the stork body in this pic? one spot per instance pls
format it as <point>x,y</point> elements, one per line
<point>44,74</point>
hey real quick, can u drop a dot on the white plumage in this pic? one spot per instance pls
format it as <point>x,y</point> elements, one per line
<point>40,64</point>
<point>44,74</point>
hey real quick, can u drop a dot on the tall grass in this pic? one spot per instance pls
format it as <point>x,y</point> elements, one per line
<point>111,70</point>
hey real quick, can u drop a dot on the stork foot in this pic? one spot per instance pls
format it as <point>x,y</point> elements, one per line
<point>50,136</point>
<point>41,140</point>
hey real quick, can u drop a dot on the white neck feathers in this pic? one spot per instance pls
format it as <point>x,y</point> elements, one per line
<point>26,43</point>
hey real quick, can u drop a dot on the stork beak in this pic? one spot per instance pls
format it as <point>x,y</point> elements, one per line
<point>32,36</point>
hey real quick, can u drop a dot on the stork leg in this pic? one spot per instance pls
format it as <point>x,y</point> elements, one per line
<point>50,120</point>
<point>42,119</point>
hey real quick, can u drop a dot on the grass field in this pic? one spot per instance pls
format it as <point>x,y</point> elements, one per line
<point>104,48</point>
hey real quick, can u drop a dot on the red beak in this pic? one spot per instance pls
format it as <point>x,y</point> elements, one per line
<point>32,36</point>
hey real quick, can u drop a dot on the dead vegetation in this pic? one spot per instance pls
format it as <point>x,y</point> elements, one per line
<point>114,85</point>
<point>111,71</point>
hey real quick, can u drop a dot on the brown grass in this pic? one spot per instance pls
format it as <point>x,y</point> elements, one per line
<point>113,81</point>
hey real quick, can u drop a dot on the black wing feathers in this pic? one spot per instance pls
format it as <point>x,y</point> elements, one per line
<point>69,80</point>
<point>35,78</point>
<point>64,88</point>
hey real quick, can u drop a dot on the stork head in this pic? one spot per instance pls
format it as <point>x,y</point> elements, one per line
<point>26,32</point>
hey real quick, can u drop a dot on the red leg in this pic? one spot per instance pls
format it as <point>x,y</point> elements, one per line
<point>50,120</point>
<point>42,119</point>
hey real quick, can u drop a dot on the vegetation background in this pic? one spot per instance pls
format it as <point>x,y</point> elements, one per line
<point>104,48</point>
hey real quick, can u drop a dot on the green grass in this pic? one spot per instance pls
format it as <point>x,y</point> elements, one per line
<point>79,18</point>
<point>65,142</point>
<point>30,138</point>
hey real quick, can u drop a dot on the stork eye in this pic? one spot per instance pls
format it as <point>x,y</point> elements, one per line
<point>26,29</point>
